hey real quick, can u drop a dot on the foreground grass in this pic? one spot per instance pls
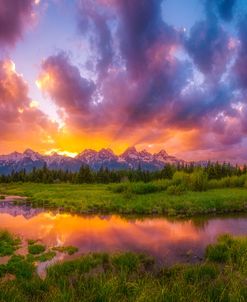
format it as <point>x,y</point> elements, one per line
<point>23,265</point>
<point>8,244</point>
<point>104,198</point>
<point>130,277</point>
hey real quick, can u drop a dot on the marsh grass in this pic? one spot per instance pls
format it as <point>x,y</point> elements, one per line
<point>70,250</point>
<point>46,256</point>
<point>133,277</point>
<point>20,267</point>
<point>36,249</point>
<point>31,241</point>
<point>8,243</point>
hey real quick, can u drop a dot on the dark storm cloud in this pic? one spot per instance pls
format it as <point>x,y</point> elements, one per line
<point>138,28</point>
<point>159,90</point>
<point>147,44</point>
<point>13,17</point>
<point>226,9</point>
<point>142,28</point>
<point>208,46</point>
<point>145,48</point>
<point>240,67</point>
<point>93,21</point>
<point>196,106</point>
<point>209,43</point>
<point>64,83</point>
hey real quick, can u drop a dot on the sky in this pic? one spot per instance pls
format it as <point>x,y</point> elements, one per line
<point>155,74</point>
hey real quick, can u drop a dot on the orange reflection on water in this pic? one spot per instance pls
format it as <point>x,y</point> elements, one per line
<point>166,240</point>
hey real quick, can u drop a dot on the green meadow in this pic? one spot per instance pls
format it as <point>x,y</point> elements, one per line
<point>130,198</point>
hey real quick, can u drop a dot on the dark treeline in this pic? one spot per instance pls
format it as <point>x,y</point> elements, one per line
<point>104,175</point>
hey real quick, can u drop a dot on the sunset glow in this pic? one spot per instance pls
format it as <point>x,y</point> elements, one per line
<point>113,73</point>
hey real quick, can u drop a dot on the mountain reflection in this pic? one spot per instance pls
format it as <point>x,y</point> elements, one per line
<point>167,240</point>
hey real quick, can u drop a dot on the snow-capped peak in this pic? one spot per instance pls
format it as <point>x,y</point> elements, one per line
<point>32,155</point>
<point>131,158</point>
<point>133,154</point>
<point>130,153</point>
<point>106,154</point>
<point>146,156</point>
<point>161,156</point>
<point>87,155</point>
<point>14,156</point>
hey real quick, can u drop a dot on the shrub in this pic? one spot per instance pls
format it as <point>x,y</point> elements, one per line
<point>181,178</point>
<point>218,253</point>
<point>199,181</point>
<point>139,187</point>
<point>162,184</point>
<point>119,188</point>
<point>176,190</point>
<point>36,249</point>
<point>228,182</point>
<point>143,188</point>
<point>245,184</point>
<point>237,181</point>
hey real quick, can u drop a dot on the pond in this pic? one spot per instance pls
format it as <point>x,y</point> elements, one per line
<point>168,240</point>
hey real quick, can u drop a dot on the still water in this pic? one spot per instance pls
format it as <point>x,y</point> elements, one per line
<point>169,241</point>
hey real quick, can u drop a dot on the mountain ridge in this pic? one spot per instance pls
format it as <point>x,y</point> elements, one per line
<point>129,159</point>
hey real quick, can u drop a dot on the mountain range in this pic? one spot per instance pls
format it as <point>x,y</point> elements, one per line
<point>130,159</point>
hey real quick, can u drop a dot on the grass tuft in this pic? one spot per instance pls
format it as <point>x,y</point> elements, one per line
<point>36,249</point>
<point>8,243</point>
<point>70,250</point>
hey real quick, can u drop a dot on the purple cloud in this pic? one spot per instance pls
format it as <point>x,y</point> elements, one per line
<point>14,15</point>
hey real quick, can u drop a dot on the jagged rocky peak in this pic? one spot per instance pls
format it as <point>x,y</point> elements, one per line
<point>87,153</point>
<point>130,152</point>
<point>32,154</point>
<point>161,156</point>
<point>107,153</point>
<point>145,153</point>
<point>14,156</point>
<point>162,153</point>
<point>29,152</point>
<point>146,156</point>
<point>131,158</point>
<point>53,156</point>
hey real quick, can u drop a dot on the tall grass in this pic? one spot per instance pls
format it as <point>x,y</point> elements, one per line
<point>132,277</point>
<point>8,243</point>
